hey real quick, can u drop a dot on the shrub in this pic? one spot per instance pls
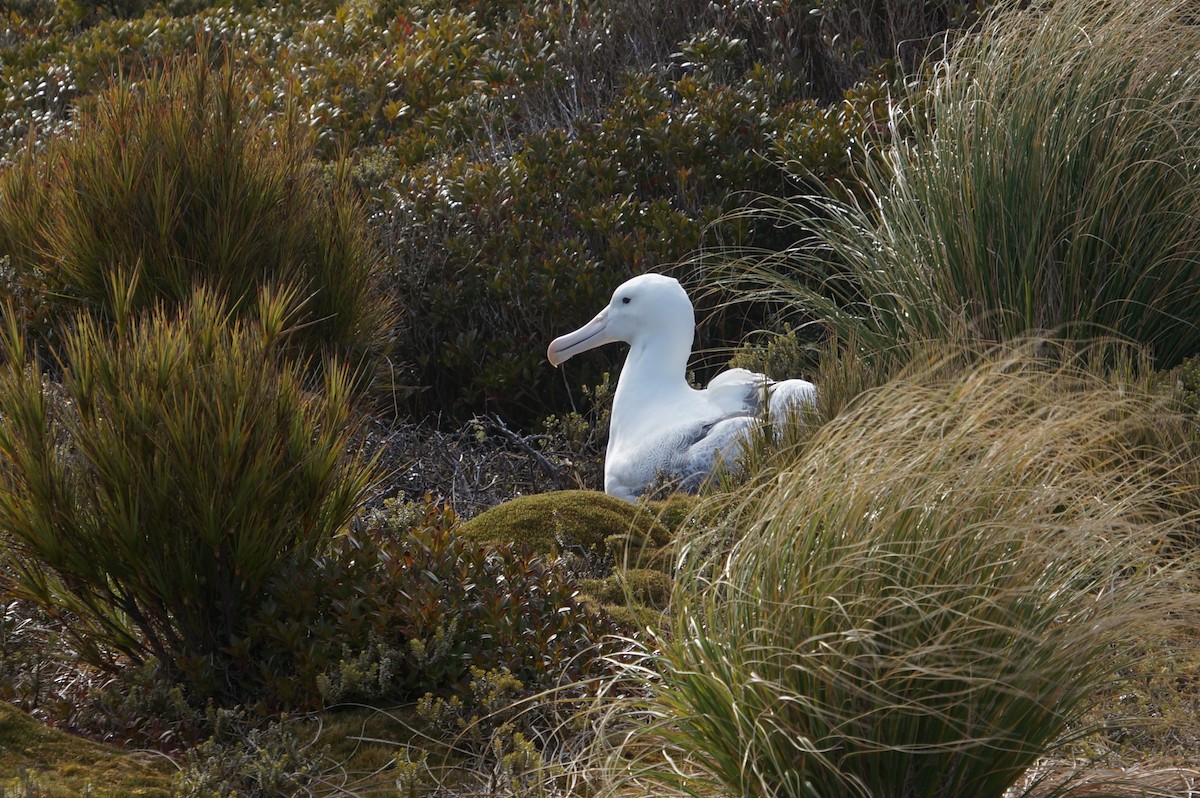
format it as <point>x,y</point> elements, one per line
<point>491,701</point>
<point>391,612</point>
<point>140,707</point>
<point>506,738</point>
<point>31,666</point>
<point>576,440</point>
<point>156,491</point>
<point>781,357</point>
<point>496,258</point>
<point>950,236</point>
<point>176,179</point>
<point>524,157</point>
<point>1184,381</point>
<point>239,759</point>
<point>930,597</point>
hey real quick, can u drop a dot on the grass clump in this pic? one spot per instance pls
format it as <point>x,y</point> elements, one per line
<point>180,463</point>
<point>930,598</point>
<point>178,177</point>
<point>1040,184</point>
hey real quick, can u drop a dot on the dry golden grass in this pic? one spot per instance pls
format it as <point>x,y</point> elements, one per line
<point>939,588</point>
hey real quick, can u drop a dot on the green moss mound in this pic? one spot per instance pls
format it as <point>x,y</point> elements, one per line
<point>568,520</point>
<point>645,586</point>
<point>675,510</point>
<point>634,619</point>
<point>56,764</point>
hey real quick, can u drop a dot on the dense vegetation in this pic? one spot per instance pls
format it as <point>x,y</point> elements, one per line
<point>1045,184</point>
<point>842,634</point>
<point>521,161</point>
<point>246,247</point>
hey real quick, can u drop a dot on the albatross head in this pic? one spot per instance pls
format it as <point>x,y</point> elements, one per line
<point>647,309</point>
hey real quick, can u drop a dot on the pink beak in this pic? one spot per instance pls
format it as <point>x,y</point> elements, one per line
<point>589,336</point>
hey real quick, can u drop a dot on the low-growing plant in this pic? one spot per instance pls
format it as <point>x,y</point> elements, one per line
<point>389,613</point>
<point>141,706</point>
<point>37,761</point>
<point>781,356</point>
<point>31,664</point>
<point>647,587</point>
<point>583,522</point>
<point>930,597</point>
<point>254,761</point>
<point>1184,381</point>
<point>153,493</point>
<point>577,439</point>
<point>470,718</point>
<point>516,740</point>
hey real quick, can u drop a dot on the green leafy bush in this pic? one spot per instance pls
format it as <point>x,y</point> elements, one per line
<point>179,465</point>
<point>392,612</point>
<point>932,595</point>
<point>526,247</point>
<point>175,179</point>
<point>576,439</point>
<point>782,356</point>
<point>140,706</point>
<point>525,158</point>
<point>1184,379</point>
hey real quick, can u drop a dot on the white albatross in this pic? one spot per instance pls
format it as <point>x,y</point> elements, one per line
<point>660,424</point>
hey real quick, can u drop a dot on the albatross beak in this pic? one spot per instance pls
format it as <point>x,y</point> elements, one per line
<point>589,336</point>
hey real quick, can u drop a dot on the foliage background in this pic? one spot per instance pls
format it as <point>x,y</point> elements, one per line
<point>520,159</point>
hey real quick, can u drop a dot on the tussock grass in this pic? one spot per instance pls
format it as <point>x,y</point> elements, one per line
<point>1043,181</point>
<point>929,599</point>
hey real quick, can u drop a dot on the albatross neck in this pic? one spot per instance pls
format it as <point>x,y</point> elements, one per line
<point>655,370</point>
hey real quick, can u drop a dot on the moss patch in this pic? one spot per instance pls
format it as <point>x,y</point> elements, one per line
<point>58,764</point>
<point>634,619</point>
<point>650,588</point>
<point>675,510</point>
<point>568,519</point>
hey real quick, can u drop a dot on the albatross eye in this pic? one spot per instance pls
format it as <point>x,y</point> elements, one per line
<point>625,300</point>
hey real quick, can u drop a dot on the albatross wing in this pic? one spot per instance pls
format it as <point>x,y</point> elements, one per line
<point>744,391</point>
<point>738,391</point>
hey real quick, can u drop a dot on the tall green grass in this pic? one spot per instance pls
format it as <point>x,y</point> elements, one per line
<point>1044,180</point>
<point>930,598</point>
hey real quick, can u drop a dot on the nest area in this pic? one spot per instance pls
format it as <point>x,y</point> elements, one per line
<point>477,465</point>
